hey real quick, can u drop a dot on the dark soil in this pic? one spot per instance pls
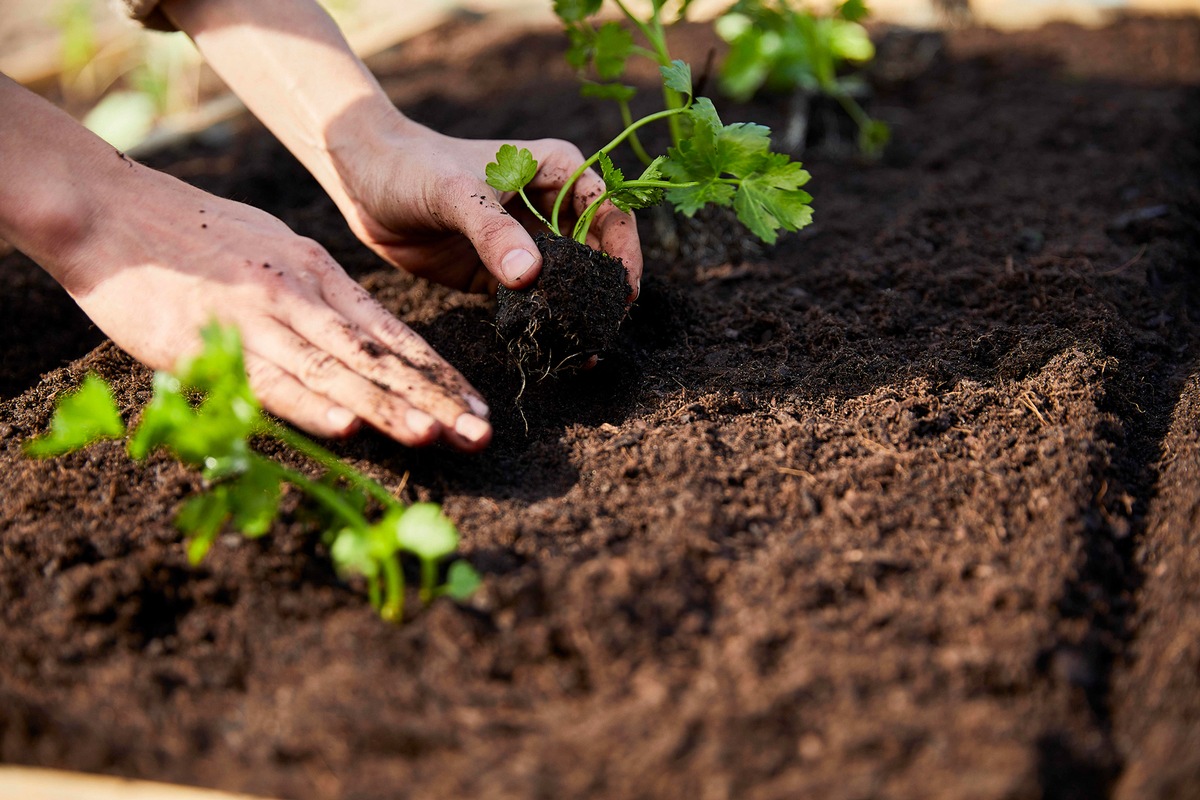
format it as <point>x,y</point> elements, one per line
<point>571,313</point>
<point>905,508</point>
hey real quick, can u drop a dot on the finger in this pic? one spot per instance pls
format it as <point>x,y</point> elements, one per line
<point>503,244</point>
<point>615,233</point>
<point>612,231</point>
<point>350,299</point>
<point>414,372</point>
<point>322,373</point>
<point>284,396</point>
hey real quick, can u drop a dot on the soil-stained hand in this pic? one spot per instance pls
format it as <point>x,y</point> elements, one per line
<point>419,199</point>
<point>166,258</point>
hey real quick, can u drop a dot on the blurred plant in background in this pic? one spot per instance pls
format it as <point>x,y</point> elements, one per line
<point>127,85</point>
<point>777,47</point>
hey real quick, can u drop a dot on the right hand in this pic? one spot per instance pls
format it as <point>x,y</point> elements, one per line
<point>162,259</point>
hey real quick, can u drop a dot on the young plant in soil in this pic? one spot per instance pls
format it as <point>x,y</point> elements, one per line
<point>577,304</point>
<point>777,47</point>
<point>204,414</point>
<point>607,48</point>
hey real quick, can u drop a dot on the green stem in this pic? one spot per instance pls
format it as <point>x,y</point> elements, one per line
<point>657,38</point>
<point>373,592</point>
<point>393,604</point>
<point>585,219</point>
<point>319,492</point>
<point>536,213</point>
<point>622,136</point>
<point>330,462</point>
<point>428,579</point>
<point>635,143</point>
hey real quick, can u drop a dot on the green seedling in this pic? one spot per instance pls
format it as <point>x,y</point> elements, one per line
<point>775,46</point>
<point>205,415</point>
<point>606,48</point>
<point>717,164</point>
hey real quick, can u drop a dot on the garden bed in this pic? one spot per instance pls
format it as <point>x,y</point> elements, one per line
<point>905,508</point>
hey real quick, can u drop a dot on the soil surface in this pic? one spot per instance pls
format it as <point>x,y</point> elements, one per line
<point>906,507</point>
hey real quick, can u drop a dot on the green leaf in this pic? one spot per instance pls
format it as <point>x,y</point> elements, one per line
<point>612,47</point>
<point>512,170</point>
<point>613,177</point>
<point>849,41</point>
<point>853,10</point>
<point>772,199</point>
<point>628,197</point>
<point>678,76</point>
<point>82,417</point>
<point>715,149</point>
<point>201,519</point>
<point>690,199</point>
<point>618,92</point>
<point>351,553</point>
<point>462,581</point>
<point>425,531</point>
<point>254,498</point>
<point>576,10</point>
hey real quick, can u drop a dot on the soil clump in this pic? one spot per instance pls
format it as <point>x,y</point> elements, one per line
<point>572,312</point>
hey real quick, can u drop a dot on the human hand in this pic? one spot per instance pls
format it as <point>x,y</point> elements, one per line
<point>162,259</point>
<point>420,200</point>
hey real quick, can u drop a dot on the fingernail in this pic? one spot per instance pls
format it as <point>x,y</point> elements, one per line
<point>340,418</point>
<point>479,407</point>
<point>418,422</point>
<point>515,264</point>
<point>472,428</point>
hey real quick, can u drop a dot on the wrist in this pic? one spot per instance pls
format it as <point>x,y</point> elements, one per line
<point>362,149</point>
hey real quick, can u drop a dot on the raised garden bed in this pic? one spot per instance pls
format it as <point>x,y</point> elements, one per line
<point>905,507</point>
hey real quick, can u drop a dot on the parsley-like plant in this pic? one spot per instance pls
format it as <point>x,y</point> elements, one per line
<point>205,414</point>
<point>780,47</point>
<point>716,164</point>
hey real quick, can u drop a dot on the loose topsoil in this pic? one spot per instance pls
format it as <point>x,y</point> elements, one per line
<point>906,507</point>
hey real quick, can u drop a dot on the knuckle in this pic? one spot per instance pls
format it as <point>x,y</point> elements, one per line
<point>317,367</point>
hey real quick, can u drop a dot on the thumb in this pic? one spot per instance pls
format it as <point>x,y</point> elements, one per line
<point>503,244</point>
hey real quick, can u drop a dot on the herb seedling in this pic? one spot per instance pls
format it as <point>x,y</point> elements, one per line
<point>243,488</point>
<point>773,45</point>
<point>607,48</point>
<point>717,164</point>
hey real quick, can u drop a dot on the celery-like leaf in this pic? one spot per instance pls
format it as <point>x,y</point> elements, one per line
<point>611,50</point>
<point>462,581</point>
<point>425,531</point>
<point>254,498</point>
<point>576,10</point>
<point>512,170</point>
<point>678,76</point>
<point>852,10</point>
<point>630,198</point>
<point>351,553</point>
<point>772,199</point>
<point>200,519</point>
<point>82,417</point>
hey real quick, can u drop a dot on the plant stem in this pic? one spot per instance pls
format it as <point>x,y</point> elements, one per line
<point>428,579</point>
<point>319,492</point>
<point>657,38</point>
<point>585,219</point>
<point>393,604</point>
<point>622,136</point>
<point>635,143</point>
<point>330,462</point>
<point>536,213</point>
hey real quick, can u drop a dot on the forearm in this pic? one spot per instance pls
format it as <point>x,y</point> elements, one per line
<point>288,61</point>
<point>52,171</point>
